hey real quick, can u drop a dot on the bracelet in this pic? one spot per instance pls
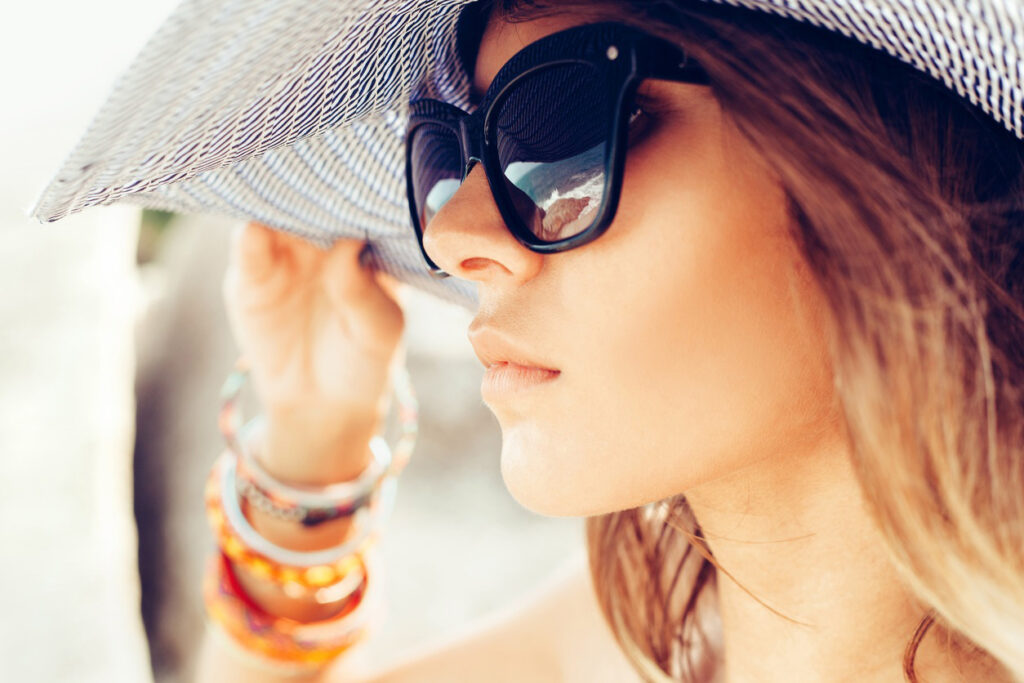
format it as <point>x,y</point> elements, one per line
<point>338,575</point>
<point>311,506</point>
<point>307,505</point>
<point>293,646</point>
<point>325,572</point>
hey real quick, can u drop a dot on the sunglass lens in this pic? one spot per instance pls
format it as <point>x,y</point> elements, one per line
<point>551,132</point>
<point>436,171</point>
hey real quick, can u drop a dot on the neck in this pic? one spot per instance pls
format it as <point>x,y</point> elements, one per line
<point>795,532</point>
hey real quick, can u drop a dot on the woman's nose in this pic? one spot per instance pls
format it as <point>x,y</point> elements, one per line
<point>468,238</point>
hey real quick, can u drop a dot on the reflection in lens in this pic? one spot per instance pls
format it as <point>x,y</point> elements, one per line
<point>439,195</point>
<point>436,172</point>
<point>551,133</point>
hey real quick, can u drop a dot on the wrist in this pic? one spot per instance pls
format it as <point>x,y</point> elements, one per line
<point>315,447</point>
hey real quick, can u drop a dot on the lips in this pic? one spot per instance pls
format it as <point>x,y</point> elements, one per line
<point>505,380</point>
<point>494,348</point>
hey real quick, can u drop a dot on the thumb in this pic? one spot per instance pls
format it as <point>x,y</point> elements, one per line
<point>356,287</point>
<point>344,277</point>
<point>390,284</point>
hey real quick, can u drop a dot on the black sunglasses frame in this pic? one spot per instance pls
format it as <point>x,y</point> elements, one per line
<point>622,55</point>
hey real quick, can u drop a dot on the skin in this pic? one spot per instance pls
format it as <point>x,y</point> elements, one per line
<point>692,347</point>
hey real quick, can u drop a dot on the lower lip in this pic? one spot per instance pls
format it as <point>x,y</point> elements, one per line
<point>507,378</point>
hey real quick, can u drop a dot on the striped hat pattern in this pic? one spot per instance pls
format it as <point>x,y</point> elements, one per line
<point>293,112</point>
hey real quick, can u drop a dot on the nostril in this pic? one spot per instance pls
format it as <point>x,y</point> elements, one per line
<point>475,263</point>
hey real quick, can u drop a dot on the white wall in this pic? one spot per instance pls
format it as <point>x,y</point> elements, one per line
<point>68,583</point>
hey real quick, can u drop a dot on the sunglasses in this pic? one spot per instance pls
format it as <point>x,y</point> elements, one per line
<point>551,133</point>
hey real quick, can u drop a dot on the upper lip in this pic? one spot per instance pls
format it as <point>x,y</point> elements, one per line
<point>491,347</point>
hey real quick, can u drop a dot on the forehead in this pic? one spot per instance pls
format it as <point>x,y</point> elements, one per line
<point>501,40</point>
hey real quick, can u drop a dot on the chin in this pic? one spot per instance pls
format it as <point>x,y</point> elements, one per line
<point>552,478</point>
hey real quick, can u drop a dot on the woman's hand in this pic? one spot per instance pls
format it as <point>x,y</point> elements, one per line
<point>321,334</point>
<point>320,331</point>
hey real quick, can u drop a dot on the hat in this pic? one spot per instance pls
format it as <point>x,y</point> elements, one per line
<point>293,112</point>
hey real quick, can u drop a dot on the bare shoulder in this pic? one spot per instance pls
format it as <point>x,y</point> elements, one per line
<point>558,635</point>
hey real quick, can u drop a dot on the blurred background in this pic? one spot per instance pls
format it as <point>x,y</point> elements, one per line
<point>113,347</point>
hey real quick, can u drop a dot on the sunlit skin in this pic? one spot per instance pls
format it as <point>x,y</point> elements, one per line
<point>692,346</point>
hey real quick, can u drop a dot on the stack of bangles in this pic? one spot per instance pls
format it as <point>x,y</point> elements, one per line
<point>337,576</point>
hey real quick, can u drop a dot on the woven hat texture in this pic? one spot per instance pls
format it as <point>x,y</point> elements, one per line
<point>293,112</point>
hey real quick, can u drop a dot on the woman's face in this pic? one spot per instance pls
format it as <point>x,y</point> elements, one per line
<point>688,338</point>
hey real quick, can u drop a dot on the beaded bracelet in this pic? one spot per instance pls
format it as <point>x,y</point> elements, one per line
<point>307,505</point>
<point>313,506</point>
<point>324,572</point>
<point>294,646</point>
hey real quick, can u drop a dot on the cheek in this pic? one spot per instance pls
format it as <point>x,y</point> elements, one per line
<point>694,347</point>
<point>713,353</point>
<point>724,352</point>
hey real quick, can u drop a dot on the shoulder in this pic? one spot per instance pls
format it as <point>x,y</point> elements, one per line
<point>558,635</point>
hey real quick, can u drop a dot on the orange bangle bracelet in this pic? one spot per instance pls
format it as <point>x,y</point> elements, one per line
<point>282,640</point>
<point>295,578</point>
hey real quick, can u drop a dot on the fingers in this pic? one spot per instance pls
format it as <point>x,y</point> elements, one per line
<point>343,276</point>
<point>258,250</point>
<point>260,253</point>
<point>252,250</point>
<point>353,285</point>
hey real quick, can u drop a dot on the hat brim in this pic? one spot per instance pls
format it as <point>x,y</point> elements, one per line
<point>292,112</point>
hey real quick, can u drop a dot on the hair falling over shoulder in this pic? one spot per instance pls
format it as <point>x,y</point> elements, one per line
<point>908,206</point>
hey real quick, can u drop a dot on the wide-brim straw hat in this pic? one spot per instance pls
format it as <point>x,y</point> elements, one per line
<point>292,112</point>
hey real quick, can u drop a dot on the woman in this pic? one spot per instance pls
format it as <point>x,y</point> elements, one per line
<point>784,384</point>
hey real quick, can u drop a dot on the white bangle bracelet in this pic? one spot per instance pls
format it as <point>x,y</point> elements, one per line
<point>368,522</point>
<point>313,505</point>
<point>307,505</point>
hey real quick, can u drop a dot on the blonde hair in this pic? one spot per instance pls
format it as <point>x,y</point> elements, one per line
<point>908,206</point>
